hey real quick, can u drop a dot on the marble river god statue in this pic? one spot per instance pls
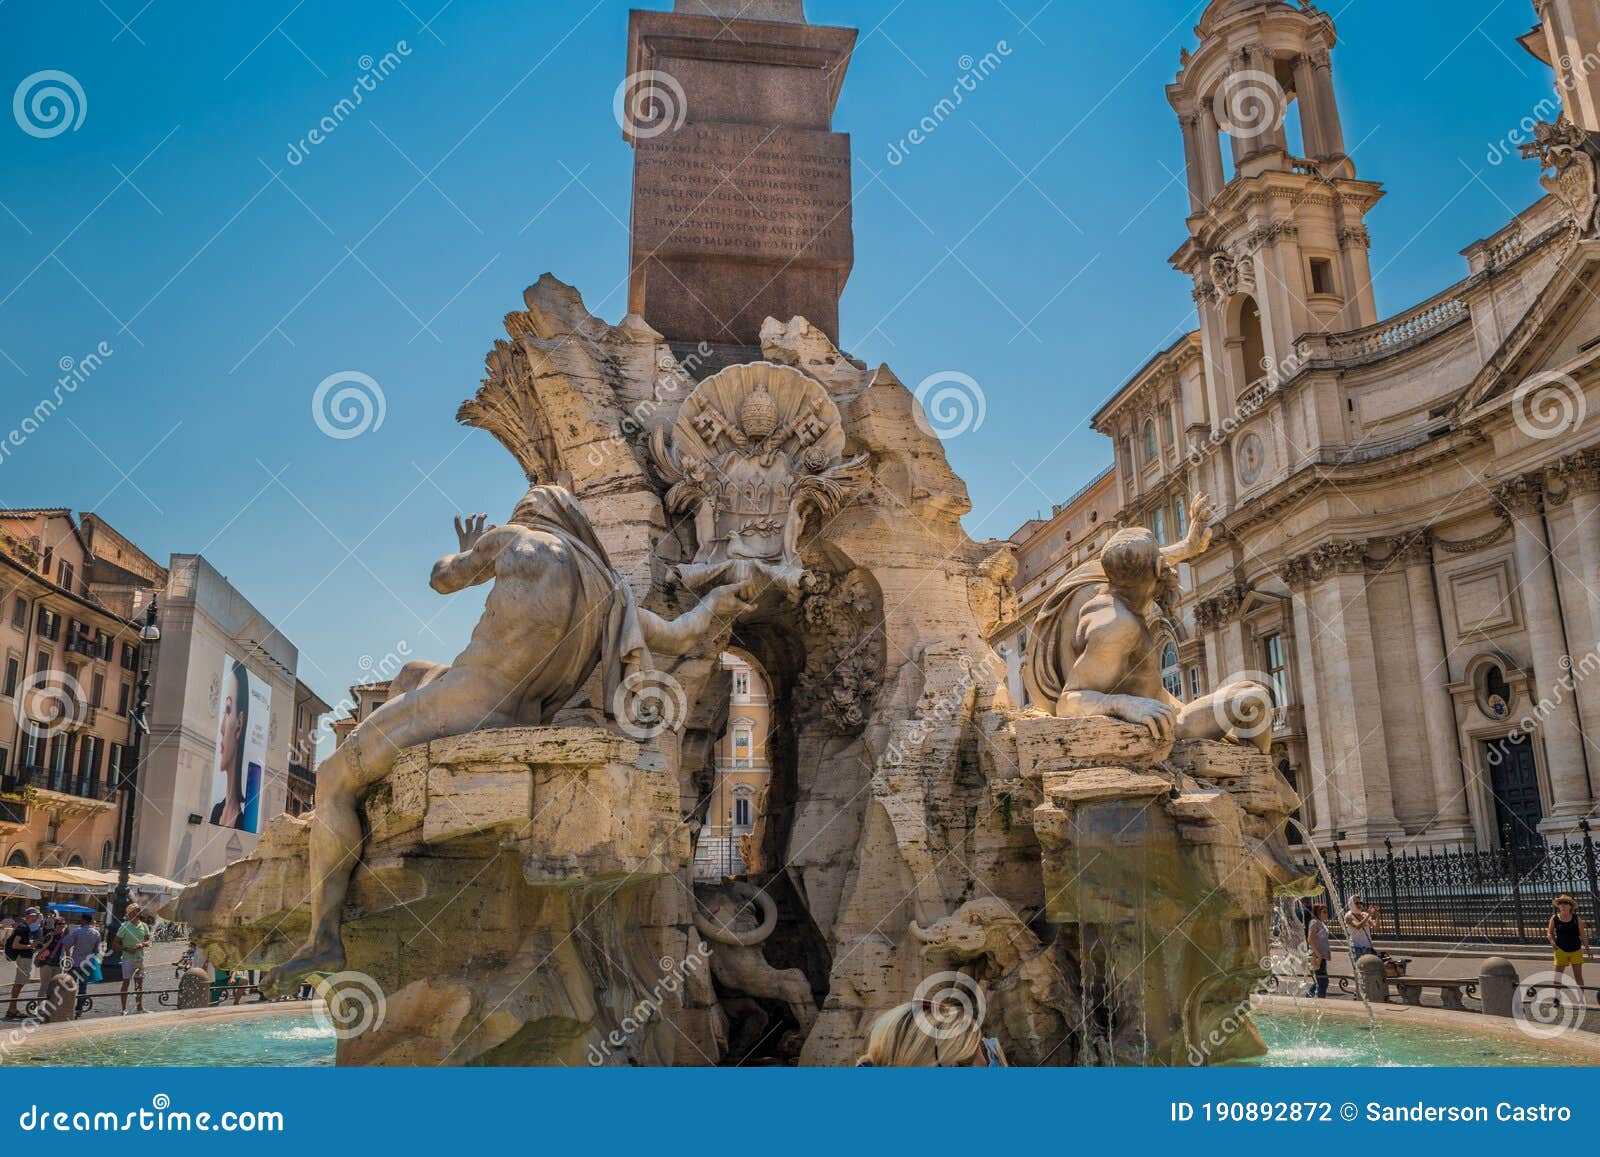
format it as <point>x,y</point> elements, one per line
<point>1093,652</point>
<point>556,612</point>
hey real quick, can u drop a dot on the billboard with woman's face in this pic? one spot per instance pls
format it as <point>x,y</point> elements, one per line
<point>244,707</point>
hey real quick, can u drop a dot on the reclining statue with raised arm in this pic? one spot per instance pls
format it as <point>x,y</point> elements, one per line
<point>557,611</point>
<point>1092,649</point>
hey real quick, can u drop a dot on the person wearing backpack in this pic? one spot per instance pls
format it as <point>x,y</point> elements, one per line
<point>21,945</point>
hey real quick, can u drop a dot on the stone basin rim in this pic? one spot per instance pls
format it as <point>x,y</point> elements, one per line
<point>111,1026</point>
<point>1577,1042</point>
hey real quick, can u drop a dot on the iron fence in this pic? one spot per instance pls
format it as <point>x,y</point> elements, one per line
<point>1471,896</point>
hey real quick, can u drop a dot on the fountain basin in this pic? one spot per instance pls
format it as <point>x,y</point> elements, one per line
<point>1304,1033</point>
<point>288,1034</point>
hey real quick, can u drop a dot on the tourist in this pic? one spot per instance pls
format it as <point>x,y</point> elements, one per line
<point>1359,921</point>
<point>1570,939</point>
<point>1317,941</point>
<point>21,945</point>
<point>920,1034</point>
<point>49,957</point>
<point>131,940</point>
<point>83,952</point>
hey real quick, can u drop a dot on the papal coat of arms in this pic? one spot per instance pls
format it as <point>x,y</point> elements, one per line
<point>755,451</point>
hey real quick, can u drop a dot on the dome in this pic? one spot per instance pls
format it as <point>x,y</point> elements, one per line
<point>1220,10</point>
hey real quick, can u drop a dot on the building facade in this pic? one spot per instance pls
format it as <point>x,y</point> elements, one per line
<point>223,707</point>
<point>743,770</point>
<point>1408,507</point>
<point>68,665</point>
<point>309,711</point>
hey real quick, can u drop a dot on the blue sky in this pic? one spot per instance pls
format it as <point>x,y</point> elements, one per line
<point>1024,244</point>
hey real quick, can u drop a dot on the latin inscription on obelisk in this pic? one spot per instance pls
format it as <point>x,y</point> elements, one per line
<point>741,208</point>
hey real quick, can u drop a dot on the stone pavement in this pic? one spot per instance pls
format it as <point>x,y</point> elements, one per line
<point>160,973</point>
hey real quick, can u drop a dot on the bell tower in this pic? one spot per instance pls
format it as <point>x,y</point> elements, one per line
<point>1277,236</point>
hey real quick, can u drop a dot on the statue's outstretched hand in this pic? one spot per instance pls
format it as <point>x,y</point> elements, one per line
<point>733,601</point>
<point>470,528</point>
<point>1200,532</point>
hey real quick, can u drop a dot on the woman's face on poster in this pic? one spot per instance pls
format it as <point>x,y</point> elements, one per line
<point>228,733</point>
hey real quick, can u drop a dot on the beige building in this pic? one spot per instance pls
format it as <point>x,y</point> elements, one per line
<point>1410,504</point>
<point>68,668</point>
<point>743,770</point>
<point>365,698</point>
<point>309,711</point>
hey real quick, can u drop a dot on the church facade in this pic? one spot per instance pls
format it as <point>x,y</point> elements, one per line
<point>1409,507</point>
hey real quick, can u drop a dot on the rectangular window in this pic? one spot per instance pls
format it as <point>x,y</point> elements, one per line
<point>13,675</point>
<point>1322,276</point>
<point>64,574</point>
<point>743,742</point>
<point>97,691</point>
<point>124,693</point>
<point>1158,525</point>
<point>1277,669</point>
<point>741,686</point>
<point>5,759</point>
<point>741,812</point>
<point>19,614</point>
<point>1194,682</point>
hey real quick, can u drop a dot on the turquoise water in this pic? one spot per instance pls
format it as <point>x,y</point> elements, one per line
<point>1298,1041</point>
<point>258,1042</point>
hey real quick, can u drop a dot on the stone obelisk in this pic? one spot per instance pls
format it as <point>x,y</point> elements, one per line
<point>741,188</point>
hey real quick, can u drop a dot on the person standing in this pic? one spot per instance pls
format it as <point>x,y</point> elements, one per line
<point>1317,941</point>
<point>83,953</point>
<point>49,957</point>
<point>1359,921</point>
<point>1569,937</point>
<point>132,938</point>
<point>21,945</point>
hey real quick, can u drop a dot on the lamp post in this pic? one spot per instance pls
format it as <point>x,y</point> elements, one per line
<point>128,779</point>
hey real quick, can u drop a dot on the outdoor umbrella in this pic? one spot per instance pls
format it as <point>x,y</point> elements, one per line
<point>69,908</point>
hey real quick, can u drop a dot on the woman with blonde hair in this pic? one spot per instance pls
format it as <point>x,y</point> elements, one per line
<point>921,1034</point>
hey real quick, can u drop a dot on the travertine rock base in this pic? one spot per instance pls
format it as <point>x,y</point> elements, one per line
<point>516,906</point>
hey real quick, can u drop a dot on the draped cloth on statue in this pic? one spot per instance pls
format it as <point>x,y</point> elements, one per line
<point>603,619</point>
<point>1052,640</point>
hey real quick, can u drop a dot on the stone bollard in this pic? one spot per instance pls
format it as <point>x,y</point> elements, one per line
<point>194,989</point>
<point>1372,979</point>
<point>1497,986</point>
<point>60,999</point>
